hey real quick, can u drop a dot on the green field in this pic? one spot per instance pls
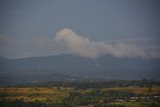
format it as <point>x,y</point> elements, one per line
<point>83,97</point>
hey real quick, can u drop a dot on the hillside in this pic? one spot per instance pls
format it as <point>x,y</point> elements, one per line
<point>72,67</point>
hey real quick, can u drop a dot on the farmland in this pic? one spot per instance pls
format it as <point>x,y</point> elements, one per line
<point>132,96</point>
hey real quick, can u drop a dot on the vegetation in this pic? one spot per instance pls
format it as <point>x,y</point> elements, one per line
<point>74,94</point>
<point>85,84</point>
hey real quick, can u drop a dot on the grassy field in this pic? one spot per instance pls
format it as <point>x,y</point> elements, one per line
<point>138,90</point>
<point>54,94</point>
<point>29,94</point>
<point>136,104</point>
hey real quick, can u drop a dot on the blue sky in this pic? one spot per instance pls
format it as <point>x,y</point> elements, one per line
<point>23,22</point>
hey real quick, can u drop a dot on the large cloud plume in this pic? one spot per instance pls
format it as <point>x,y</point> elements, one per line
<point>67,41</point>
<point>84,47</point>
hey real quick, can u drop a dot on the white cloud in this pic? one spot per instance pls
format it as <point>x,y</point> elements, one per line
<point>67,41</point>
<point>77,44</point>
<point>84,47</point>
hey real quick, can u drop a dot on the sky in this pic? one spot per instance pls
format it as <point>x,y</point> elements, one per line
<point>88,28</point>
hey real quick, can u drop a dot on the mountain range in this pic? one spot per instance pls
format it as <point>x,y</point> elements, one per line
<point>73,67</point>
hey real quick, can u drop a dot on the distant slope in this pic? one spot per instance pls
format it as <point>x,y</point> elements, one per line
<point>64,67</point>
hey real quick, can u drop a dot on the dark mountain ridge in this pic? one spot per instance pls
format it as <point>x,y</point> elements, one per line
<point>72,67</point>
